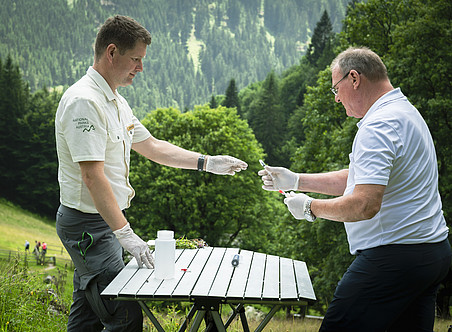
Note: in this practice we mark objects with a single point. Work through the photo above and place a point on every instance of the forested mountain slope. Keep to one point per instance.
(198, 45)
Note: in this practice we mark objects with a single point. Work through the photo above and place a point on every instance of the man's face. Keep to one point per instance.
(127, 65)
(345, 92)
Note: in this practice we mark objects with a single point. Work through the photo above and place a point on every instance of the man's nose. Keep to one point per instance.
(140, 66)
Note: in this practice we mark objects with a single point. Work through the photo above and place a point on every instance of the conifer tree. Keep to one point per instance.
(232, 96)
(267, 119)
(14, 96)
(213, 102)
(320, 51)
(38, 165)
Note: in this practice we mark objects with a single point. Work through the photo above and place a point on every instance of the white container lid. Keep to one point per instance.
(165, 235)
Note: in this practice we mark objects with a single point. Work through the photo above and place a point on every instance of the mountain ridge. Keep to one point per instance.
(198, 45)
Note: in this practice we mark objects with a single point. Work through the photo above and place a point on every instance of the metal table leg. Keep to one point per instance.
(151, 316)
(211, 308)
(218, 322)
(198, 319)
(235, 310)
(241, 311)
(190, 315)
(267, 318)
(243, 319)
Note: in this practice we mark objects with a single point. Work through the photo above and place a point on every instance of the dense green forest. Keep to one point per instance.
(197, 47)
(288, 117)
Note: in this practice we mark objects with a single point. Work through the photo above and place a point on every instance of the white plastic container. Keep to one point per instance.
(165, 255)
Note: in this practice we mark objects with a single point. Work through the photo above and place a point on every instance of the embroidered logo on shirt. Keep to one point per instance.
(89, 128)
(83, 124)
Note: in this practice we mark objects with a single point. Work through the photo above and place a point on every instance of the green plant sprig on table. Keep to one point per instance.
(183, 243)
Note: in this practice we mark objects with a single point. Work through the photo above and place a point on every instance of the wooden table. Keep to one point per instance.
(207, 278)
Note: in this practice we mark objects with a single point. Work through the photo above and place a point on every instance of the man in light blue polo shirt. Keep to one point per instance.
(95, 132)
(388, 200)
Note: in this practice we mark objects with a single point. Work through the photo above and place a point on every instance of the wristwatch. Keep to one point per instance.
(309, 216)
(201, 159)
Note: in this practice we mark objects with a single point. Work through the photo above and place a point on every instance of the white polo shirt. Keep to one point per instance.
(94, 124)
(393, 147)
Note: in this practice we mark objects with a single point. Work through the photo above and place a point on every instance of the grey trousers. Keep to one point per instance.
(97, 256)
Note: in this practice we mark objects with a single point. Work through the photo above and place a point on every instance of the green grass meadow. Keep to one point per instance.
(28, 302)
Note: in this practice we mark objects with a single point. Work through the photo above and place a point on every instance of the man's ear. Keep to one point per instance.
(356, 77)
(110, 51)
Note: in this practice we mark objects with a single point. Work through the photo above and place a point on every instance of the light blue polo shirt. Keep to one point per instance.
(393, 147)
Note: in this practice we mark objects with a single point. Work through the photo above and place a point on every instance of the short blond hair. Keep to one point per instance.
(364, 61)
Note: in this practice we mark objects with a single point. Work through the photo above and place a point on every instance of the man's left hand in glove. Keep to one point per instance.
(224, 165)
(299, 205)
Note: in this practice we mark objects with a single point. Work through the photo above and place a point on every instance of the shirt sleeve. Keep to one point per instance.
(376, 149)
(84, 127)
(141, 132)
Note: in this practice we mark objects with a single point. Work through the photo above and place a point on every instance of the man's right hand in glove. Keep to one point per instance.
(135, 245)
(278, 178)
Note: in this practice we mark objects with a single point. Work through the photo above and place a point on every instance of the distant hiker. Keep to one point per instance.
(95, 132)
(389, 202)
(42, 257)
(36, 249)
(27, 246)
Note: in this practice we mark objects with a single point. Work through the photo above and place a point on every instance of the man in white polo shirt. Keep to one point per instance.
(95, 131)
(388, 201)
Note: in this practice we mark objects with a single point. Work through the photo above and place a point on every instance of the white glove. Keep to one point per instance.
(276, 178)
(296, 204)
(135, 245)
(224, 165)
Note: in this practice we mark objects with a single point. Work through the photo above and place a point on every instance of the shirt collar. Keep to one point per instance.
(101, 83)
(383, 100)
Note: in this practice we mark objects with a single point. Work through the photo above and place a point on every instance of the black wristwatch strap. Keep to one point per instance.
(201, 162)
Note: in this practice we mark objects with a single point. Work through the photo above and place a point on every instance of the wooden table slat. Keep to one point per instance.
(256, 276)
(288, 284)
(136, 282)
(240, 275)
(184, 258)
(209, 273)
(220, 285)
(151, 284)
(305, 289)
(271, 281)
(189, 278)
(121, 279)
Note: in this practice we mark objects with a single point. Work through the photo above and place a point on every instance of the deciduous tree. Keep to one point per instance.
(223, 210)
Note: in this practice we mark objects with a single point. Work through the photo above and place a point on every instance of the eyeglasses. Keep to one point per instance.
(333, 89)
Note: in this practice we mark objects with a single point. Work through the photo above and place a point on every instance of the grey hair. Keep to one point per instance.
(364, 61)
